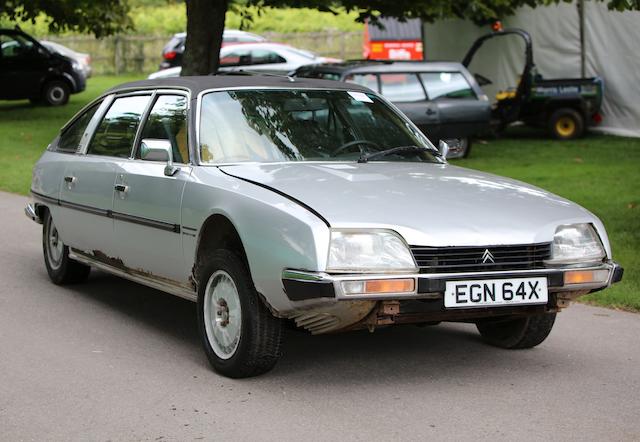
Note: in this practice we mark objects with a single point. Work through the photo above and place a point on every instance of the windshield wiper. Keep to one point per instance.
(364, 158)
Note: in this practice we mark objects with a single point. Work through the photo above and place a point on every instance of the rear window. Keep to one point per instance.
(446, 85)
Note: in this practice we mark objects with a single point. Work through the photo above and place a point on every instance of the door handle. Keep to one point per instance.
(430, 111)
(70, 179)
(121, 188)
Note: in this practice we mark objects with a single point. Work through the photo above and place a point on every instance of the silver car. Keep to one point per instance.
(271, 201)
(266, 58)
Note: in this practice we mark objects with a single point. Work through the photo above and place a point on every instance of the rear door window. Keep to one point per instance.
(401, 88)
(116, 132)
(446, 85)
(262, 56)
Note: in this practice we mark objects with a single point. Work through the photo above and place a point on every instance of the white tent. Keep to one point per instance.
(609, 48)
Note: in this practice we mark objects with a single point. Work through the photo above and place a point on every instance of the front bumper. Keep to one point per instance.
(31, 213)
(302, 286)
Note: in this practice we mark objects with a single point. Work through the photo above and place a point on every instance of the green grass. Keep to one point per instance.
(27, 130)
(599, 172)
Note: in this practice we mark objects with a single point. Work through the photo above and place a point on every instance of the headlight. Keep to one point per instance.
(379, 251)
(577, 244)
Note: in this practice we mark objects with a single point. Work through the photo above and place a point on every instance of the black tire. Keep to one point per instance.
(462, 151)
(566, 124)
(261, 334)
(56, 93)
(63, 270)
(526, 332)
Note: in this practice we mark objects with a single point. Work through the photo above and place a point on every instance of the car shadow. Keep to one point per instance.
(388, 354)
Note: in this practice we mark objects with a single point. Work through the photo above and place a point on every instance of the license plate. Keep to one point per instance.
(495, 292)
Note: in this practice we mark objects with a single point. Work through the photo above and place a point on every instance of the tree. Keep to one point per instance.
(101, 17)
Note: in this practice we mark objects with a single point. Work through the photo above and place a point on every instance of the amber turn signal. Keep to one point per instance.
(379, 286)
(585, 276)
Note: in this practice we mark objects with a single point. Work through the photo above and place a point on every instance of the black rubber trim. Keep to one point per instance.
(618, 272)
(146, 222)
(297, 290)
(111, 214)
(279, 192)
(437, 285)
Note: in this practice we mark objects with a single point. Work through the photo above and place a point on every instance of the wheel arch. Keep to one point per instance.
(218, 232)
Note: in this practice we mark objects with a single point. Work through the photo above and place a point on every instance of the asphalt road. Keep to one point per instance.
(112, 360)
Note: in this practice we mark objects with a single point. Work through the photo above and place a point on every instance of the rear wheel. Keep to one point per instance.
(56, 93)
(526, 332)
(461, 150)
(566, 124)
(61, 268)
(240, 336)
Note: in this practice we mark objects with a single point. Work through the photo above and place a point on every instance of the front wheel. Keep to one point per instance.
(241, 338)
(526, 332)
(61, 269)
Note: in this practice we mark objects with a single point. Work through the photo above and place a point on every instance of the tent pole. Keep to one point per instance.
(583, 67)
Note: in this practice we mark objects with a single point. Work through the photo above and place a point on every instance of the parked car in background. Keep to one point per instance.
(82, 58)
(442, 98)
(30, 70)
(173, 51)
(266, 199)
(271, 58)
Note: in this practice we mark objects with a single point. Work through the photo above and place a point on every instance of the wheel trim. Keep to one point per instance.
(565, 126)
(56, 94)
(54, 245)
(222, 314)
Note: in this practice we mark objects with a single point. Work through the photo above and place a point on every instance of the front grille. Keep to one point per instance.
(483, 258)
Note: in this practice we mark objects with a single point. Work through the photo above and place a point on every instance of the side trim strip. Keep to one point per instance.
(110, 214)
(289, 197)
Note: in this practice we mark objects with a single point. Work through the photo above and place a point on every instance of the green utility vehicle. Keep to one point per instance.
(565, 106)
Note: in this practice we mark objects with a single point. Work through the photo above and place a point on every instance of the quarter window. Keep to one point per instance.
(366, 80)
(71, 137)
(168, 121)
(402, 88)
(446, 84)
(117, 130)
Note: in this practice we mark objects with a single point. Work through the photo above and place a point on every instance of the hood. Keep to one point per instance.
(428, 204)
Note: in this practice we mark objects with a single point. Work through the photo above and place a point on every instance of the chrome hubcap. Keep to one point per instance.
(55, 246)
(222, 314)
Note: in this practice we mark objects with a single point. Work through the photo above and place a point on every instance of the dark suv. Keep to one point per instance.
(29, 70)
(441, 98)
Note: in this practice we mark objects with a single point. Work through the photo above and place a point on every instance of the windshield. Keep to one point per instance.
(304, 125)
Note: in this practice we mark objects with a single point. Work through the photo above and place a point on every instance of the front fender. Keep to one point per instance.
(276, 233)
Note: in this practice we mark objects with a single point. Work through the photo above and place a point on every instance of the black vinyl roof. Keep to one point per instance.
(200, 83)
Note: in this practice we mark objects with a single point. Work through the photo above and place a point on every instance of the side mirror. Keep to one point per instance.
(446, 146)
(153, 149)
(443, 147)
